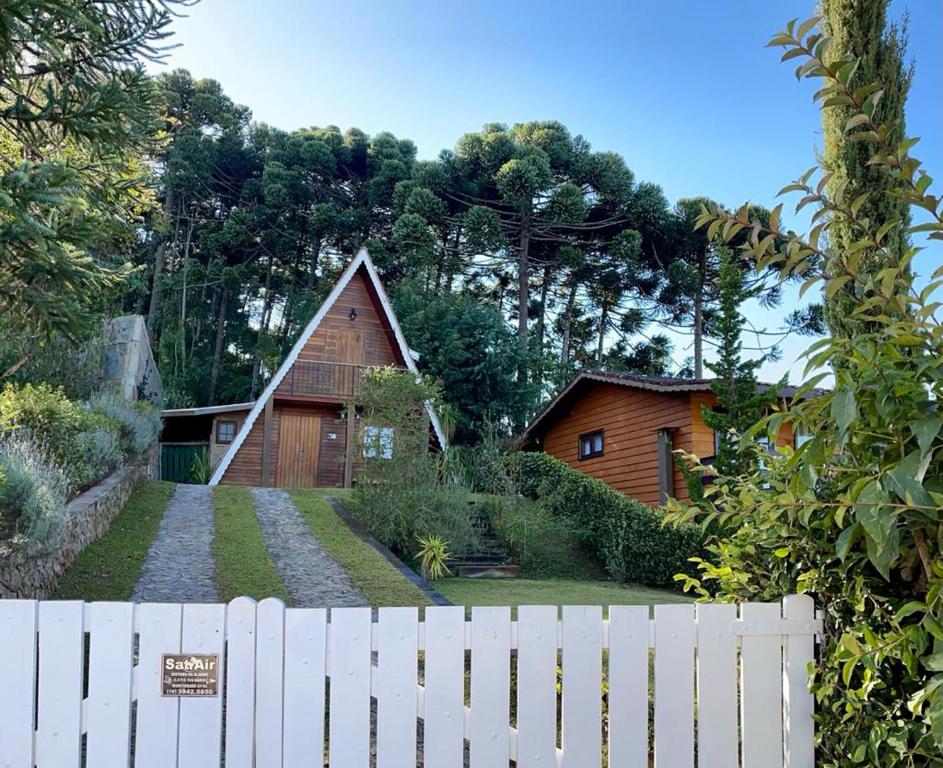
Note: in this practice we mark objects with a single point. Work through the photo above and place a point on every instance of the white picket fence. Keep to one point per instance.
(729, 686)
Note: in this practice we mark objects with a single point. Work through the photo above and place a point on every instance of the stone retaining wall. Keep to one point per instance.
(89, 515)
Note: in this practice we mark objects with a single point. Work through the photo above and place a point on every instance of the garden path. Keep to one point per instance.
(179, 568)
(313, 579)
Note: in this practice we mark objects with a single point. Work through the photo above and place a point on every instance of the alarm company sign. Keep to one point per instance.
(188, 674)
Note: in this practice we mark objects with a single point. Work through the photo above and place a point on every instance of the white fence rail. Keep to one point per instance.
(82, 685)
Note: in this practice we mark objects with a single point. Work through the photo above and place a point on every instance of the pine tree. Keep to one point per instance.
(740, 401)
(858, 30)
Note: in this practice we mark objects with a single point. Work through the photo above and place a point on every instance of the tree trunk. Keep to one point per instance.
(699, 317)
(567, 324)
(218, 347)
(183, 296)
(159, 256)
(263, 329)
(603, 322)
(523, 284)
(313, 263)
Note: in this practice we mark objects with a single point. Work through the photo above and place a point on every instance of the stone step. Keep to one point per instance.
(468, 570)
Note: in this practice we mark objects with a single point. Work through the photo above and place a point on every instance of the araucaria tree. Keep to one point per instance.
(76, 115)
(740, 401)
(854, 516)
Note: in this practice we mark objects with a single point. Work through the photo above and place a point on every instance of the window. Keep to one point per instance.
(378, 442)
(591, 445)
(225, 431)
(802, 435)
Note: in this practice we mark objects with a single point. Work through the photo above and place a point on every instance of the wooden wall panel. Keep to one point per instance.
(246, 466)
(378, 346)
(631, 419)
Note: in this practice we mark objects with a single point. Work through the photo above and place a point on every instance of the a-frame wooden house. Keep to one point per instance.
(300, 432)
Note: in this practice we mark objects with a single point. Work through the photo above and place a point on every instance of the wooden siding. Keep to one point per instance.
(631, 420)
(704, 435)
(378, 347)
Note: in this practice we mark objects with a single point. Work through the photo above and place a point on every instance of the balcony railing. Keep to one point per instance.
(308, 378)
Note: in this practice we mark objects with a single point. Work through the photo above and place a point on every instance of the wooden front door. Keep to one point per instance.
(299, 442)
(349, 355)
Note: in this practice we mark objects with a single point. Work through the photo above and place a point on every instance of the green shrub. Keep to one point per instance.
(138, 422)
(398, 515)
(33, 495)
(854, 516)
(541, 543)
(101, 453)
(51, 419)
(402, 492)
(626, 536)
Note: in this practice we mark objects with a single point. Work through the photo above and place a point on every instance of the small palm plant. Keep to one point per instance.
(432, 556)
(200, 468)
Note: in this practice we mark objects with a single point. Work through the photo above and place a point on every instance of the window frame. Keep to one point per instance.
(227, 422)
(593, 453)
(378, 445)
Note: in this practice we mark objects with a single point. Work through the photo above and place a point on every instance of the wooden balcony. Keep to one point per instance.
(323, 379)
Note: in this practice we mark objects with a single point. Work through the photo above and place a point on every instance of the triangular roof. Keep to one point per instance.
(362, 259)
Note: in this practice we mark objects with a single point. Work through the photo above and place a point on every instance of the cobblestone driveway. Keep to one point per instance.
(179, 567)
(313, 579)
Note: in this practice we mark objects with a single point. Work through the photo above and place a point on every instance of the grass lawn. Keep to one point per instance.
(243, 564)
(516, 592)
(368, 569)
(109, 568)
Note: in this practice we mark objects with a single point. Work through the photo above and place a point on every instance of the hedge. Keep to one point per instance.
(625, 535)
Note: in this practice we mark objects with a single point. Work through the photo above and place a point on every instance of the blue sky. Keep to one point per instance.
(684, 90)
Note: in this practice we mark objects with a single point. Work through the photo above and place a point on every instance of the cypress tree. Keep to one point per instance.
(740, 402)
(859, 30)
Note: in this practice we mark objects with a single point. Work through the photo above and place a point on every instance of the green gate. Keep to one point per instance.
(177, 459)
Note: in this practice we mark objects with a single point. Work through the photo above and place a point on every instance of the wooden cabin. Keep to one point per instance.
(304, 429)
(621, 428)
(188, 432)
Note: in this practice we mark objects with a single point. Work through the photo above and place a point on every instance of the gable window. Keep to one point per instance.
(225, 431)
(377, 442)
(592, 444)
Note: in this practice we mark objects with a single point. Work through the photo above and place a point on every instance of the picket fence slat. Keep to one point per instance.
(110, 665)
(489, 739)
(203, 632)
(18, 625)
(158, 717)
(798, 702)
(269, 679)
(444, 687)
(397, 675)
(240, 683)
(537, 688)
(582, 686)
(628, 686)
(761, 691)
(281, 670)
(717, 739)
(61, 663)
(305, 669)
(674, 686)
(349, 726)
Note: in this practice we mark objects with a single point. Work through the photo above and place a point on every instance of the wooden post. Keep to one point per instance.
(349, 445)
(267, 443)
